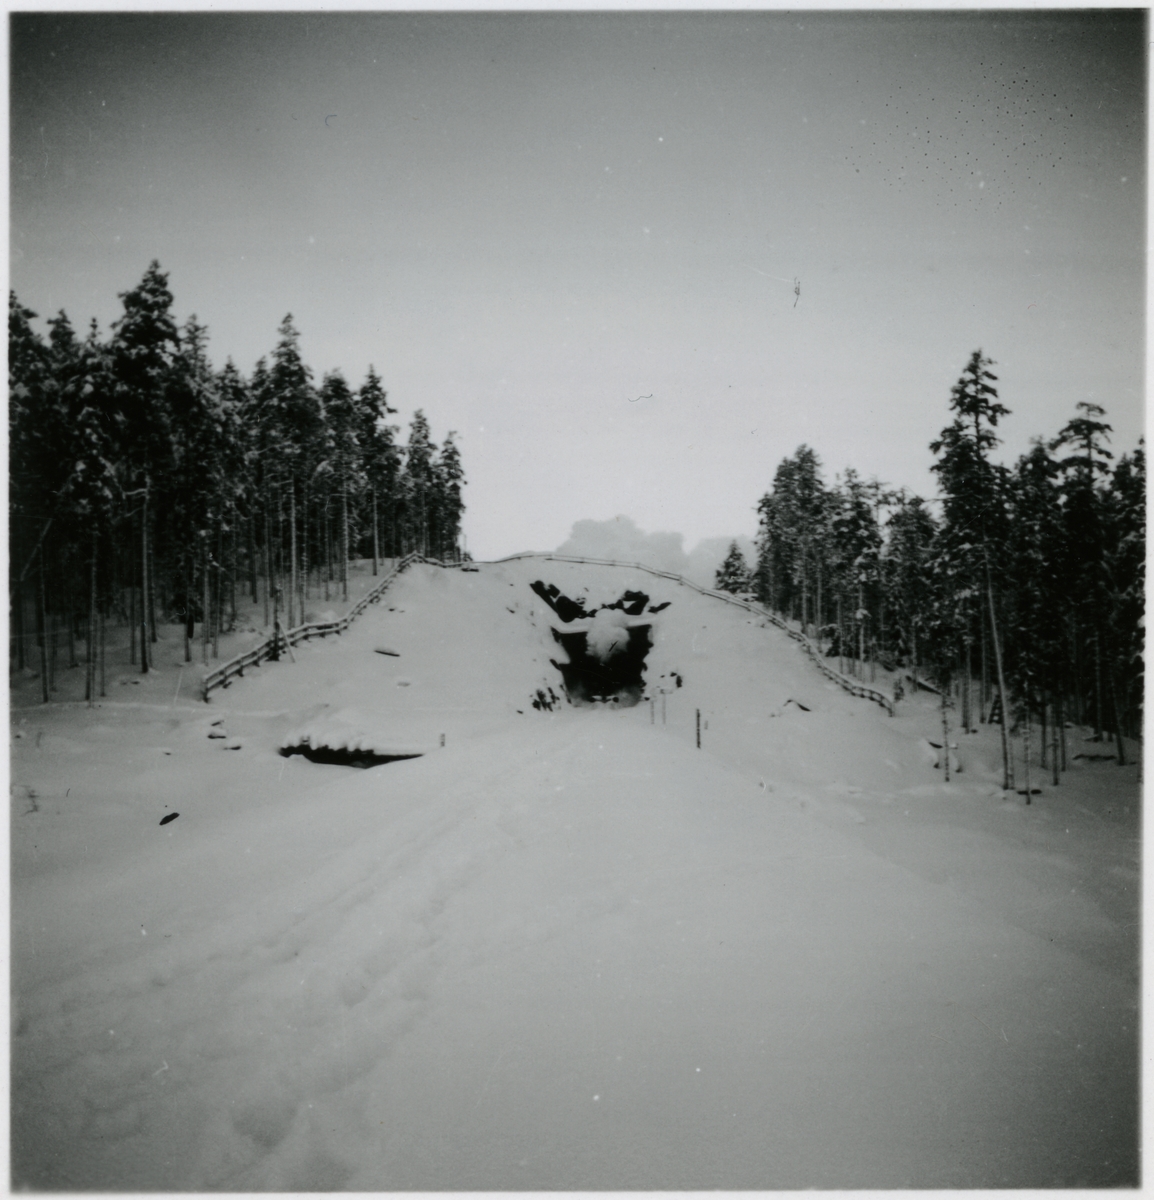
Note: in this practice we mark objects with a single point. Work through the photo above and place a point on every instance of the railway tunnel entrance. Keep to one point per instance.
(606, 646)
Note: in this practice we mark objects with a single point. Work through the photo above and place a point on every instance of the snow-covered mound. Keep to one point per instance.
(351, 732)
(568, 950)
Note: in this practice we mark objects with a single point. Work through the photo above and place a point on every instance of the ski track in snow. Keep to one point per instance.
(568, 950)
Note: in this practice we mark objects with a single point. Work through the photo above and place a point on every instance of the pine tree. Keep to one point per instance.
(1083, 477)
(1036, 600)
(449, 506)
(418, 483)
(1124, 562)
(854, 544)
(342, 466)
(293, 446)
(792, 520)
(380, 463)
(733, 575)
(907, 579)
(143, 482)
(974, 522)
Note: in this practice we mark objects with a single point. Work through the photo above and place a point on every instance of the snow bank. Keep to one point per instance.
(569, 950)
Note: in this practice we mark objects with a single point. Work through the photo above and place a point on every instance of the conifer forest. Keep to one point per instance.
(148, 487)
(1020, 589)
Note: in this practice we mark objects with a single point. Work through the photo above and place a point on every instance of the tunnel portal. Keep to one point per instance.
(607, 656)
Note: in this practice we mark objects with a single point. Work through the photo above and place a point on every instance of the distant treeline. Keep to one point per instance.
(147, 487)
(1025, 587)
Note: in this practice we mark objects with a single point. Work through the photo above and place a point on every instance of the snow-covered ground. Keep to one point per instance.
(568, 950)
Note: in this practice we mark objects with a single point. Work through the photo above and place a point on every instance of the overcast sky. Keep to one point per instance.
(575, 238)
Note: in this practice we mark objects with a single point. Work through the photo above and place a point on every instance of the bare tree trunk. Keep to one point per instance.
(861, 630)
(840, 638)
(275, 655)
(1060, 727)
(967, 711)
(278, 569)
(267, 566)
(206, 602)
(376, 547)
(18, 623)
(306, 557)
(153, 627)
(251, 524)
(42, 630)
(1097, 690)
(218, 585)
(945, 730)
(52, 646)
(328, 567)
(1007, 760)
(144, 654)
(1116, 714)
(132, 610)
(914, 649)
(103, 640)
(985, 693)
(189, 611)
(90, 667)
(292, 551)
(344, 541)
(1054, 742)
(1026, 748)
(70, 602)
(1079, 714)
(232, 614)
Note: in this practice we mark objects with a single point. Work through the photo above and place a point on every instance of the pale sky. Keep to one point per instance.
(574, 238)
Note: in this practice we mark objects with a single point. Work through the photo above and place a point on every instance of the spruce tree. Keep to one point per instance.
(908, 583)
(380, 464)
(973, 529)
(733, 575)
(449, 506)
(418, 482)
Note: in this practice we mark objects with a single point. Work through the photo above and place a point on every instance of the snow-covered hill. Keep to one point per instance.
(566, 949)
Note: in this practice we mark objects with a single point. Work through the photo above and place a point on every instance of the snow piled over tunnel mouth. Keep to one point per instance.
(606, 646)
(608, 635)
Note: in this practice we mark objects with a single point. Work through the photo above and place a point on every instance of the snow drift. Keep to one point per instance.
(566, 950)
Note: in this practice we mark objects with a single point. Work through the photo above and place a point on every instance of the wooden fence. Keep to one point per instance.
(282, 639)
(272, 647)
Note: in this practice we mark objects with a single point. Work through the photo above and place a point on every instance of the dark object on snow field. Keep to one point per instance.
(342, 757)
(568, 610)
(170, 817)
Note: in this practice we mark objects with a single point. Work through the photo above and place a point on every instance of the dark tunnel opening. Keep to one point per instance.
(612, 670)
(618, 678)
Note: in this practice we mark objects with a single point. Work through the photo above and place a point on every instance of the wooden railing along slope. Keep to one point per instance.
(272, 646)
(282, 639)
(850, 685)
